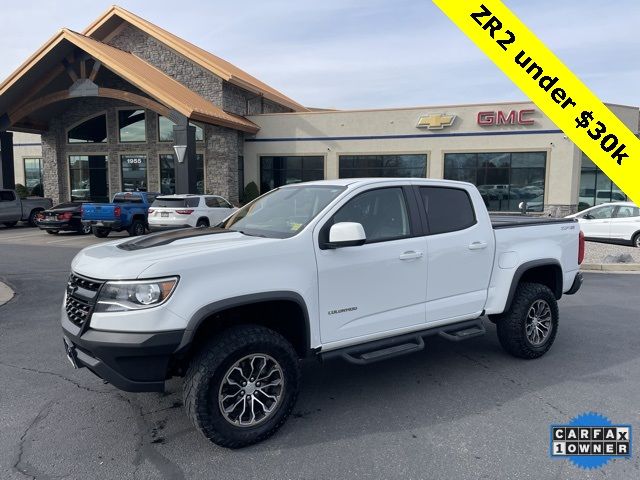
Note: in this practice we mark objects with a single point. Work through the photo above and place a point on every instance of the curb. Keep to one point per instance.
(611, 267)
(6, 293)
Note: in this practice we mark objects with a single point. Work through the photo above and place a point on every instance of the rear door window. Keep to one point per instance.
(213, 202)
(7, 196)
(626, 212)
(448, 209)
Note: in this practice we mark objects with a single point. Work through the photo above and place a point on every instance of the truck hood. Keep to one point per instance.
(129, 258)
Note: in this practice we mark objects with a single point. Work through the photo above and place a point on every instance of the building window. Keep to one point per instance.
(595, 186)
(358, 166)
(88, 177)
(504, 179)
(134, 173)
(33, 176)
(168, 174)
(93, 130)
(132, 126)
(165, 130)
(278, 171)
(240, 177)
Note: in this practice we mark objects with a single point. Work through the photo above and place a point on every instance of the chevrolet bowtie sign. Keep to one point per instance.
(436, 121)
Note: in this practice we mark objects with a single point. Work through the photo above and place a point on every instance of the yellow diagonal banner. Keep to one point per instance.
(552, 87)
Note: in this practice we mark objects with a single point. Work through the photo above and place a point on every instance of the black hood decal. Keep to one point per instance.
(157, 240)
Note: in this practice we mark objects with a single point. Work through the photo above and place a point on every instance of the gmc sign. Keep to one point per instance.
(514, 117)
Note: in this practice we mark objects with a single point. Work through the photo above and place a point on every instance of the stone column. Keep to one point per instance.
(186, 179)
(7, 174)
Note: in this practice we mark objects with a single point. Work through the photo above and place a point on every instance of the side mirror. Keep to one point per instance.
(346, 234)
(523, 207)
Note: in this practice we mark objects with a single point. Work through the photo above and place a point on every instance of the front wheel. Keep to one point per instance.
(101, 232)
(84, 229)
(528, 329)
(241, 388)
(636, 240)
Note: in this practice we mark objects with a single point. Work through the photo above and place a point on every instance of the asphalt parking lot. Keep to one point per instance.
(456, 410)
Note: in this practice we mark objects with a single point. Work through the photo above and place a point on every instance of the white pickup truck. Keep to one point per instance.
(362, 269)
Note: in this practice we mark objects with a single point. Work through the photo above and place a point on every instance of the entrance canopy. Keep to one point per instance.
(72, 65)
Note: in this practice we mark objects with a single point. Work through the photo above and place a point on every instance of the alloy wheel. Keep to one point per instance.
(251, 390)
(538, 325)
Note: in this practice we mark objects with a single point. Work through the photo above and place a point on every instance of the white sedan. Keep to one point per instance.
(617, 222)
(181, 211)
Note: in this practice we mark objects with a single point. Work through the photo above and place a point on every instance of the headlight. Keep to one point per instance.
(135, 295)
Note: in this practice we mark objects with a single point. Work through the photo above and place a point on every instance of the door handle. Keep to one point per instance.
(477, 245)
(411, 255)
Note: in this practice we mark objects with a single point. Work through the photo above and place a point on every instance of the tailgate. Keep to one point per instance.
(98, 211)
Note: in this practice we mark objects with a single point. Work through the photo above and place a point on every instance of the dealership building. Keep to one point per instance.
(126, 105)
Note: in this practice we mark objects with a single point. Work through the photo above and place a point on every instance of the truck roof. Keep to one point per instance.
(356, 182)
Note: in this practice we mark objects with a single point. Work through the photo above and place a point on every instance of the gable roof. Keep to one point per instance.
(105, 25)
(139, 73)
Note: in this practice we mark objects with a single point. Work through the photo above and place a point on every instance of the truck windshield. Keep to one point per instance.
(282, 213)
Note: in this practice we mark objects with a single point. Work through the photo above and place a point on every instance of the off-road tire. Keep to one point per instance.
(208, 368)
(101, 232)
(137, 228)
(511, 325)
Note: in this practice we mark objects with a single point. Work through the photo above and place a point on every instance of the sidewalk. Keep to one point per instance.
(6, 294)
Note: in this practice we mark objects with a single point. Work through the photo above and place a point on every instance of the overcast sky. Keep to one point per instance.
(362, 53)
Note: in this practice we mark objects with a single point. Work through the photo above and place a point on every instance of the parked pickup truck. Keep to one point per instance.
(13, 209)
(128, 211)
(362, 270)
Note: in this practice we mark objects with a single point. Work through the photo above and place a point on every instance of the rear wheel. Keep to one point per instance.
(101, 232)
(529, 327)
(202, 223)
(32, 217)
(52, 232)
(241, 388)
(137, 228)
(10, 224)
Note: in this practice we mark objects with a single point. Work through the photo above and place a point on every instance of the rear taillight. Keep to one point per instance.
(117, 211)
(184, 212)
(151, 210)
(65, 216)
(580, 247)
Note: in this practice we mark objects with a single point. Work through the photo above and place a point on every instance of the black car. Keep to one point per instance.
(63, 217)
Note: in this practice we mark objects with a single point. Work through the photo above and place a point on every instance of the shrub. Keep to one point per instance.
(37, 190)
(250, 193)
(22, 191)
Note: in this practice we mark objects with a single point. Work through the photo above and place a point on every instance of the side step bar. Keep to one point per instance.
(386, 348)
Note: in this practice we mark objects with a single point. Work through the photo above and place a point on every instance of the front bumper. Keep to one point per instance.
(133, 362)
(577, 283)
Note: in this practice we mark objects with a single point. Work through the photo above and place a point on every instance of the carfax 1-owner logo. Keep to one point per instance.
(590, 440)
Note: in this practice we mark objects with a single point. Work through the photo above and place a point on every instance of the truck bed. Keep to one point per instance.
(511, 221)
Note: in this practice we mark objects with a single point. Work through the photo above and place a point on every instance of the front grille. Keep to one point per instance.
(82, 294)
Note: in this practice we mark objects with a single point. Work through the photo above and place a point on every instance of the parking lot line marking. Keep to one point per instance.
(34, 234)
